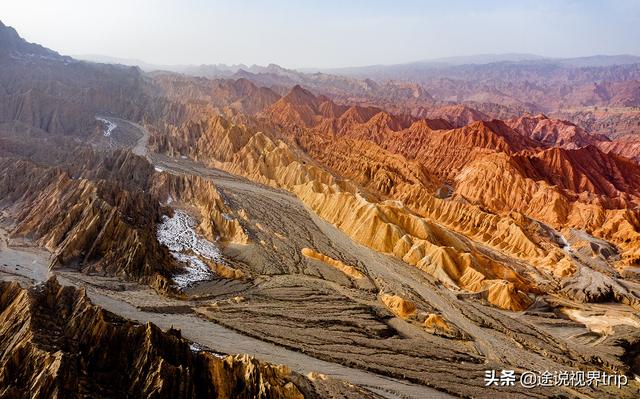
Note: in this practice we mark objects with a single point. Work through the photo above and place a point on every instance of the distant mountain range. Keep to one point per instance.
(404, 232)
(522, 82)
(478, 59)
(484, 59)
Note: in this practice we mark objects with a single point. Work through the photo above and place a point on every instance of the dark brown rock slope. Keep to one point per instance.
(54, 343)
(94, 224)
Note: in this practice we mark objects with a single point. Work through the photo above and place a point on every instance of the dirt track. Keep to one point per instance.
(304, 305)
(295, 310)
(109, 294)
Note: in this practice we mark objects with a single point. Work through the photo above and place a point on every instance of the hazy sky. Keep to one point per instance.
(324, 33)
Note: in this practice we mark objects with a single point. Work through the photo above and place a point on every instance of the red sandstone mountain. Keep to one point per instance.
(586, 169)
(444, 152)
(299, 107)
(554, 133)
(240, 95)
(457, 115)
(611, 122)
(416, 238)
(302, 108)
(626, 146)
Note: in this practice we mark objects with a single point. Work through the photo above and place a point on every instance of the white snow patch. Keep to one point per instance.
(178, 234)
(110, 126)
(195, 347)
(195, 271)
(226, 217)
(565, 244)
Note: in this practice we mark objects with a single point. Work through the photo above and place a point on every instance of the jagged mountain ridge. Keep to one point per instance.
(279, 159)
(300, 107)
(480, 239)
(56, 343)
(12, 45)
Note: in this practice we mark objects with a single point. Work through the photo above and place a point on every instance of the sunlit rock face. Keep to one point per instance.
(57, 344)
(359, 222)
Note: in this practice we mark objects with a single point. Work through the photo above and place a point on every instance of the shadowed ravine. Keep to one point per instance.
(272, 233)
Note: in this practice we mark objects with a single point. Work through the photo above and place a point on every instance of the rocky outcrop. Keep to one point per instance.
(102, 209)
(554, 133)
(578, 188)
(299, 107)
(583, 189)
(398, 305)
(55, 343)
(346, 269)
(626, 146)
(241, 95)
(216, 220)
(95, 225)
(11, 44)
(458, 115)
(386, 226)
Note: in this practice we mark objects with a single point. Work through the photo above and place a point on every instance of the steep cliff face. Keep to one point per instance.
(586, 170)
(12, 44)
(573, 177)
(99, 212)
(444, 153)
(216, 221)
(55, 343)
(626, 146)
(208, 136)
(298, 107)
(582, 189)
(96, 225)
(62, 95)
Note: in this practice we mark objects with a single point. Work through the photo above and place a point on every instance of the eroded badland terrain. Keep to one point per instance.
(355, 239)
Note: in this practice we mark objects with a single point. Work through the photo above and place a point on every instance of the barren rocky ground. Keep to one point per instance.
(356, 248)
(303, 312)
